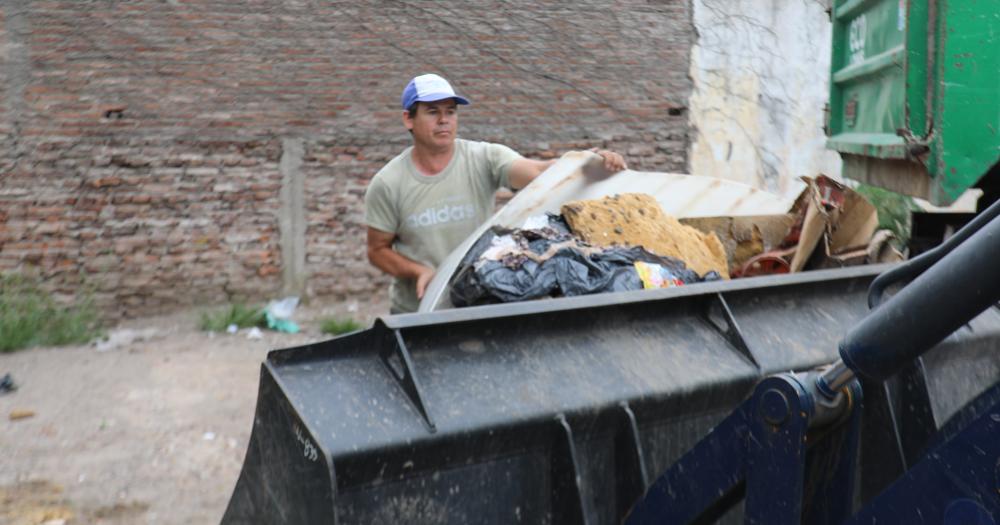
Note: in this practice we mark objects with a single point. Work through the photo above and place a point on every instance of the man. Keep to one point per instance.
(428, 199)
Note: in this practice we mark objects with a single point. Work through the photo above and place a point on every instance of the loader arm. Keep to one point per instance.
(774, 438)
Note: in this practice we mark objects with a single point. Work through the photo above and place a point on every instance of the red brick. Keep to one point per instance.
(196, 117)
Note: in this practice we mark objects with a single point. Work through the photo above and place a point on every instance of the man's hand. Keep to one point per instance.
(613, 162)
(423, 279)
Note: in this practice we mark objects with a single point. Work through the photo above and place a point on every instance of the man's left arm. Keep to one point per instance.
(523, 171)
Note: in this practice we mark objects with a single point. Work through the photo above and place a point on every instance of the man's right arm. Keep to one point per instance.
(522, 171)
(381, 254)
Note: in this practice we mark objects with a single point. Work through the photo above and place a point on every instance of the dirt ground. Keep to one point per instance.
(148, 427)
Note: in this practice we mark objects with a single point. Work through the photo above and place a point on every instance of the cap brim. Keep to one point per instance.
(434, 97)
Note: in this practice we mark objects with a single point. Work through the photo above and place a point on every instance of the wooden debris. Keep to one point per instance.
(21, 414)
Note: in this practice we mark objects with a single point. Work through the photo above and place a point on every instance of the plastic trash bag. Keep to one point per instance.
(517, 265)
(7, 384)
(279, 313)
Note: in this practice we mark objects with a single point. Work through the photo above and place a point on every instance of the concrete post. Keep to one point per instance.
(292, 218)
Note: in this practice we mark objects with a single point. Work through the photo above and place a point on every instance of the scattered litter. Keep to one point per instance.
(7, 384)
(21, 414)
(746, 237)
(536, 222)
(208, 436)
(279, 314)
(281, 325)
(835, 217)
(654, 275)
(232, 329)
(828, 226)
(499, 246)
(880, 250)
(284, 308)
(767, 263)
(125, 337)
(255, 333)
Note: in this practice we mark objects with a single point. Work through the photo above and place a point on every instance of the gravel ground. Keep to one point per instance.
(149, 429)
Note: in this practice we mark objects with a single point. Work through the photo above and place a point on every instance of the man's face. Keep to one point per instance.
(434, 124)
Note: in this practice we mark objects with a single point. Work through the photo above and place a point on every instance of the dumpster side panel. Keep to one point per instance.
(286, 476)
(554, 411)
(964, 365)
(968, 95)
(867, 79)
(562, 411)
(914, 97)
(453, 482)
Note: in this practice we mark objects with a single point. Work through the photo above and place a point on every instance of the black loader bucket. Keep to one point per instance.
(562, 411)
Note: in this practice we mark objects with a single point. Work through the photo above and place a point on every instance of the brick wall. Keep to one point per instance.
(141, 141)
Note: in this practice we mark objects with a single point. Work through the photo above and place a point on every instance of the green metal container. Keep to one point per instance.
(915, 94)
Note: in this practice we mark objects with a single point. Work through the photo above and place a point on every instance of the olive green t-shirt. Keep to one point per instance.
(431, 215)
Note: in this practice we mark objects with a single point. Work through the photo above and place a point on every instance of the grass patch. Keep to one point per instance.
(337, 326)
(239, 314)
(29, 316)
(894, 211)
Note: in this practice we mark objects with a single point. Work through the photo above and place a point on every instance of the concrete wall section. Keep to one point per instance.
(760, 70)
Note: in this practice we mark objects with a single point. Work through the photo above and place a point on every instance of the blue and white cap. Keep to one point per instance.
(429, 88)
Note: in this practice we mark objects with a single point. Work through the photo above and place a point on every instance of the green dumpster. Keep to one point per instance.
(915, 95)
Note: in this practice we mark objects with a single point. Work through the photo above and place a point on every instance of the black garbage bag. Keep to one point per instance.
(7, 384)
(517, 265)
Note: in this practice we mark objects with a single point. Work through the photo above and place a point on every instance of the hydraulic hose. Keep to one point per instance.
(947, 295)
